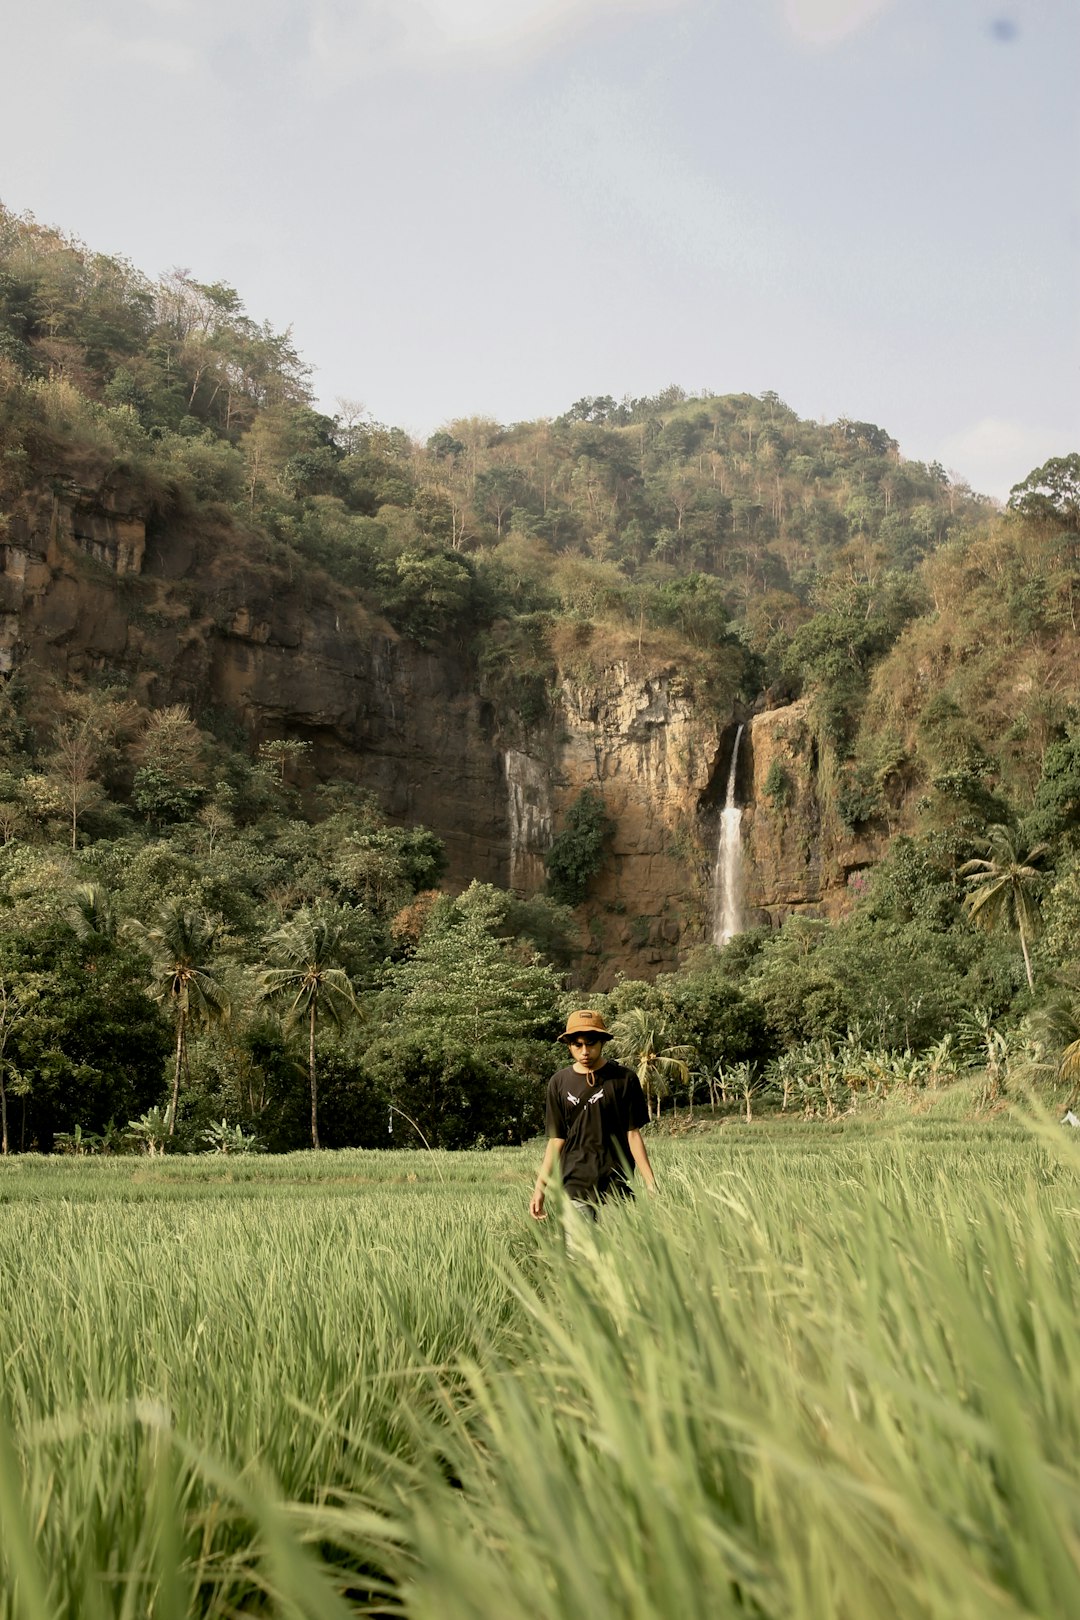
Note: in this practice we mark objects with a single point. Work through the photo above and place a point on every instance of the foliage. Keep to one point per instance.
(181, 944)
(777, 786)
(1003, 886)
(1055, 814)
(1051, 493)
(904, 982)
(461, 1020)
(83, 1043)
(225, 1138)
(467, 980)
(308, 977)
(643, 1042)
(805, 1396)
(577, 850)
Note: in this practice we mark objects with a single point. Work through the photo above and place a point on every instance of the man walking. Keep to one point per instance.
(595, 1111)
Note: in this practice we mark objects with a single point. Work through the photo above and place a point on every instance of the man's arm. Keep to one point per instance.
(551, 1159)
(640, 1155)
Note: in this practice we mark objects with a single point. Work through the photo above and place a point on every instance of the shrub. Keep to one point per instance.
(778, 787)
(576, 853)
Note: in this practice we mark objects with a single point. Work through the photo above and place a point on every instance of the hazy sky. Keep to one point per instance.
(492, 207)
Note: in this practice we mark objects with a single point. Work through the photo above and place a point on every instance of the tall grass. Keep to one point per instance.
(825, 1375)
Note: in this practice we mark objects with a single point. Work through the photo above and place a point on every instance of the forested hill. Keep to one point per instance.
(770, 554)
(695, 518)
(764, 554)
(274, 675)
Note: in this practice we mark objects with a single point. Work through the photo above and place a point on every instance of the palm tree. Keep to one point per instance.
(1058, 1024)
(307, 975)
(1002, 885)
(642, 1042)
(92, 914)
(180, 945)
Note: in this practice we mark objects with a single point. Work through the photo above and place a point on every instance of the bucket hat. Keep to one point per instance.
(585, 1023)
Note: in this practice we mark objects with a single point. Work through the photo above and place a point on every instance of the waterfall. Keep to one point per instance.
(727, 875)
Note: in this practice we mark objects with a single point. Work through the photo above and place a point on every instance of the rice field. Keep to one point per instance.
(830, 1372)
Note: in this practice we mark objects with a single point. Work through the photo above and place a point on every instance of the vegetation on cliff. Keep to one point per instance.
(721, 536)
(722, 531)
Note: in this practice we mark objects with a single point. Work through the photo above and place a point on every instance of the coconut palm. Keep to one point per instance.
(307, 975)
(1058, 1025)
(1002, 886)
(92, 914)
(642, 1042)
(181, 945)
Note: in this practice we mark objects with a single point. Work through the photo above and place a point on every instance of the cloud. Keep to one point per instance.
(826, 22)
(995, 453)
(638, 189)
(155, 37)
(348, 39)
(327, 44)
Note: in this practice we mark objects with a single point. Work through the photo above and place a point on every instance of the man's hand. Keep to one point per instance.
(547, 1170)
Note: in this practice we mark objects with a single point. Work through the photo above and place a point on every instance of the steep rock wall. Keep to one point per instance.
(797, 855)
(204, 615)
(196, 615)
(644, 745)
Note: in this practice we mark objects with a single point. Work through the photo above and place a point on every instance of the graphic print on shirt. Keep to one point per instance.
(595, 1158)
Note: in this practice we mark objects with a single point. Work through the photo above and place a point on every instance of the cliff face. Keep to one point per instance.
(200, 617)
(797, 858)
(640, 743)
(203, 616)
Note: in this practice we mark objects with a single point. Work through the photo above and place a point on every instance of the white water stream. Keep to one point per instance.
(727, 873)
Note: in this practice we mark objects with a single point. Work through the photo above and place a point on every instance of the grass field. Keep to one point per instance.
(831, 1371)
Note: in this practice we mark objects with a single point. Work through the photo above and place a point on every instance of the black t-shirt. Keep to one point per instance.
(592, 1114)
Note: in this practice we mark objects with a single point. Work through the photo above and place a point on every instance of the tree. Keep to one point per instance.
(1002, 886)
(1058, 1024)
(167, 784)
(1056, 810)
(280, 752)
(463, 1023)
(643, 1043)
(307, 974)
(82, 1041)
(468, 979)
(8, 1014)
(82, 739)
(577, 850)
(181, 944)
(714, 1017)
(92, 915)
(1051, 492)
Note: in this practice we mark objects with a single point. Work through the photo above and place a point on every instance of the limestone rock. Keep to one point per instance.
(205, 616)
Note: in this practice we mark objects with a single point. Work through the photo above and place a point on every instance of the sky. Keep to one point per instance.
(494, 207)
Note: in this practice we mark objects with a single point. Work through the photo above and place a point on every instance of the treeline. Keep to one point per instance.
(722, 530)
(753, 550)
(186, 939)
(196, 954)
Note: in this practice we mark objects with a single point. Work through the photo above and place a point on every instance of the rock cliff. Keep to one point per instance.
(797, 855)
(643, 744)
(209, 617)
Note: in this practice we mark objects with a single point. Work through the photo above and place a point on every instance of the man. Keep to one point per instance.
(595, 1111)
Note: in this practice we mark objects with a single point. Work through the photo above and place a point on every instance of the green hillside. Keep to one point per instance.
(763, 556)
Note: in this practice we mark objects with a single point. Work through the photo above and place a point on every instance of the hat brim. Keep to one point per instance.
(569, 1035)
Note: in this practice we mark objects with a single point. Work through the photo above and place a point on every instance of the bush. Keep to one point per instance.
(778, 787)
(577, 852)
